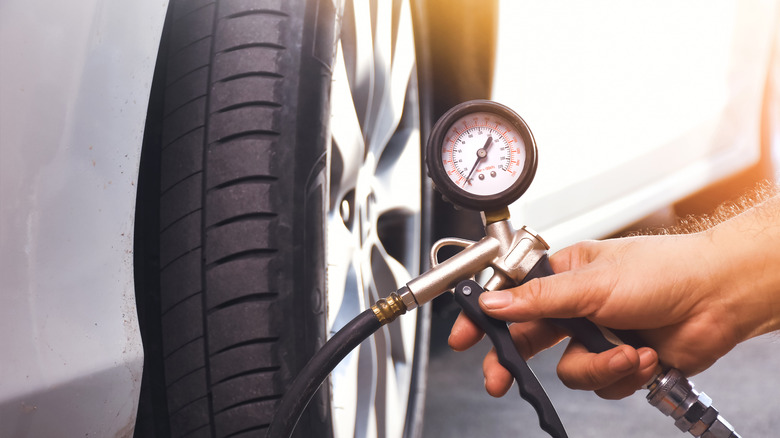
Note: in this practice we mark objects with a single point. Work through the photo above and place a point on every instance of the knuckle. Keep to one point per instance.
(534, 290)
(582, 253)
(584, 376)
(567, 377)
(524, 343)
(594, 376)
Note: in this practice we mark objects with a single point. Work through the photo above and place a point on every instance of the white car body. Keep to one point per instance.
(633, 105)
(621, 133)
(74, 91)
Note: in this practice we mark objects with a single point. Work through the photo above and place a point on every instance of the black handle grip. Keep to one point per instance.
(594, 337)
(467, 296)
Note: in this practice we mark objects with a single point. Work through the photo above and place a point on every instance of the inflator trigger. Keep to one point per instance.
(467, 294)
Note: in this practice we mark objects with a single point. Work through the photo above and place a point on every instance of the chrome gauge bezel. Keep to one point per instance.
(457, 195)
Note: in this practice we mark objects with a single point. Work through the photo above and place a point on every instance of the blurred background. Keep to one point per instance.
(643, 113)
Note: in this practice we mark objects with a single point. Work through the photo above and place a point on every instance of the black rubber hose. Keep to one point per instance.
(314, 373)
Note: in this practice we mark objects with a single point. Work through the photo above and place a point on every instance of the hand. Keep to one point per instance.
(692, 298)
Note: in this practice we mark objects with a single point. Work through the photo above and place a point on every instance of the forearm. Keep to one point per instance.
(745, 258)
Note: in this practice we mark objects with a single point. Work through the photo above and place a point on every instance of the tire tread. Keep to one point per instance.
(226, 212)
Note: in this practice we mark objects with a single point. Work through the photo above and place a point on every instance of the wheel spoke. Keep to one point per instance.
(365, 420)
(345, 294)
(395, 69)
(346, 375)
(345, 131)
(397, 179)
(357, 38)
(382, 45)
(387, 274)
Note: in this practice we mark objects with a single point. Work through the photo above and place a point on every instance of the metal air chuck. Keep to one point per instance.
(691, 410)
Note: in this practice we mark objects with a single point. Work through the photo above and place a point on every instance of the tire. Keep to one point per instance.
(257, 235)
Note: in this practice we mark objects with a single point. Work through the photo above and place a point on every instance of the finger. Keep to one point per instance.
(497, 379)
(464, 333)
(566, 295)
(581, 369)
(648, 367)
(578, 288)
(533, 337)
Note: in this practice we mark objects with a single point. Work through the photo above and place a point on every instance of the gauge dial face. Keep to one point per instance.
(483, 154)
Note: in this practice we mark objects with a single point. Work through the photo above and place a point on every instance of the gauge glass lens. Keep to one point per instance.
(483, 154)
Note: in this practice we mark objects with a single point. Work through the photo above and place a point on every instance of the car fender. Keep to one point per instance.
(75, 88)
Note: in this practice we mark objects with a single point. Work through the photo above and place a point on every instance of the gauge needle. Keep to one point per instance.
(481, 154)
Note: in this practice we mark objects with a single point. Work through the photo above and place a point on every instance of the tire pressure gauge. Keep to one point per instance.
(481, 155)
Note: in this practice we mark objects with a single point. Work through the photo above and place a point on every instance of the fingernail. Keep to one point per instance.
(620, 363)
(497, 299)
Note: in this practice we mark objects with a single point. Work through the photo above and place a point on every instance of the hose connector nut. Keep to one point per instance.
(388, 309)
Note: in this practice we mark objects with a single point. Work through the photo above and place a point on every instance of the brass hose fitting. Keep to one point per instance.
(388, 309)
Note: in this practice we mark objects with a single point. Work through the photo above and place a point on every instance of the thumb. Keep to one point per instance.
(567, 295)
